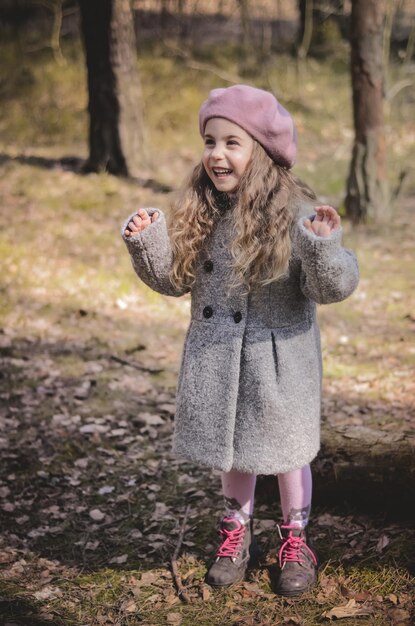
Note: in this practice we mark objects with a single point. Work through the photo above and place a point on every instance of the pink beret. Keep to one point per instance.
(260, 114)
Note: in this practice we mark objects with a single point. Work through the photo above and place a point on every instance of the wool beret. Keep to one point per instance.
(260, 114)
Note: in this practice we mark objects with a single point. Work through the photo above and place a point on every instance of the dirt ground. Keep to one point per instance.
(92, 504)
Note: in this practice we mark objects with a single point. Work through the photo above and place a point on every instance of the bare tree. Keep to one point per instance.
(314, 17)
(116, 130)
(367, 189)
(244, 10)
(306, 27)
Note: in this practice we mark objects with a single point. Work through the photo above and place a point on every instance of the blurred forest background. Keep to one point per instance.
(98, 116)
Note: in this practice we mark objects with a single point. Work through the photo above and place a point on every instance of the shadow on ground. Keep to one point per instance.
(77, 165)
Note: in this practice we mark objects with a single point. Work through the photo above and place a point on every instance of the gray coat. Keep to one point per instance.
(249, 388)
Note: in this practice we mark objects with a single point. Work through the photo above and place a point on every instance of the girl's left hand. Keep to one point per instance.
(326, 221)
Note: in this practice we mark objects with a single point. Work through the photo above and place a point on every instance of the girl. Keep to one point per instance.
(241, 240)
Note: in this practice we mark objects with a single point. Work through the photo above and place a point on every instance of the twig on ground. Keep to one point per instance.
(176, 576)
(141, 368)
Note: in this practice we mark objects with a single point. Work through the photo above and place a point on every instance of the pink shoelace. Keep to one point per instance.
(232, 539)
(293, 549)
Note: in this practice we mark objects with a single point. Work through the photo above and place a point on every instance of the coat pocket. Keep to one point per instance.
(274, 353)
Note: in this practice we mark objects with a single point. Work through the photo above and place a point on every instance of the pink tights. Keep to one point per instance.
(295, 494)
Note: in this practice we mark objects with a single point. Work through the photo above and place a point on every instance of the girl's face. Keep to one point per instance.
(227, 151)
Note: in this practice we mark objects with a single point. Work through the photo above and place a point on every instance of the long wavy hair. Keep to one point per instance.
(263, 214)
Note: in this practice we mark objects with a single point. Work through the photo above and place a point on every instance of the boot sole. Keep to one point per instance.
(293, 594)
(218, 586)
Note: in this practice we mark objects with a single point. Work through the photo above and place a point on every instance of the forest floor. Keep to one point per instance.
(92, 503)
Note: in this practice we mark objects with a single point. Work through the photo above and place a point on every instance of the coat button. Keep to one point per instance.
(237, 317)
(208, 265)
(207, 312)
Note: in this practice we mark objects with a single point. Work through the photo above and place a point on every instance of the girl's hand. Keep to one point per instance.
(140, 222)
(326, 221)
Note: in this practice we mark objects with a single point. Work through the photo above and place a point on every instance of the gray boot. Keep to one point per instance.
(233, 554)
(297, 562)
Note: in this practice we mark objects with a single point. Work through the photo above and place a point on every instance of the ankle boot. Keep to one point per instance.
(233, 554)
(297, 562)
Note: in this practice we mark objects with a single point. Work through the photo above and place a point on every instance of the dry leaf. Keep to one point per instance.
(119, 560)
(382, 543)
(48, 593)
(205, 593)
(149, 419)
(253, 588)
(92, 429)
(171, 599)
(351, 609)
(106, 489)
(96, 515)
(129, 606)
(174, 618)
(148, 578)
(399, 617)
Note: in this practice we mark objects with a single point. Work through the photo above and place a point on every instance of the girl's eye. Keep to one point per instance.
(232, 142)
(209, 142)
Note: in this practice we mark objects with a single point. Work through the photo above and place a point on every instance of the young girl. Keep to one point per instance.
(244, 240)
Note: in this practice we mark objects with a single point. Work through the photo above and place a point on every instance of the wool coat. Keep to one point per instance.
(249, 387)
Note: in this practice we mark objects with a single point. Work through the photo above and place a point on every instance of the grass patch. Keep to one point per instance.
(74, 437)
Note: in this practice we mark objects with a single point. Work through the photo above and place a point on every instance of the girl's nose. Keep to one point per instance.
(217, 151)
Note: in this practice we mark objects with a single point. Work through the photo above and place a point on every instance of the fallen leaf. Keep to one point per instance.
(96, 515)
(129, 606)
(94, 428)
(174, 618)
(399, 617)
(171, 599)
(205, 593)
(106, 489)
(149, 419)
(148, 578)
(351, 609)
(48, 593)
(253, 589)
(382, 543)
(119, 560)
(167, 408)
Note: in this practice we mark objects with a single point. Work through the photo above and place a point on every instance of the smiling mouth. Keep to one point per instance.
(221, 171)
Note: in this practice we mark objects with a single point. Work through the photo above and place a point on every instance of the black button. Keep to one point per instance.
(208, 265)
(237, 317)
(207, 312)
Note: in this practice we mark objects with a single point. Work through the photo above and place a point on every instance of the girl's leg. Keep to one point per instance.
(238, 492)
(295, 494)
(235, 550)
(297, 561)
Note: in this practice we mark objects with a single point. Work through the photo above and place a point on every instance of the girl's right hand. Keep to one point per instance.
(140, 222)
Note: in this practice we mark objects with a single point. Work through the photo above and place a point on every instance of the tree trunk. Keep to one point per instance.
(246, 24)
(116, 129)
(359, 466)
(367, 188)
(319, 26)
(306, 27)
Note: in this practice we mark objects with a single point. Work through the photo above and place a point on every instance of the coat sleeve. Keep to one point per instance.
(329, 272)
(151, 255)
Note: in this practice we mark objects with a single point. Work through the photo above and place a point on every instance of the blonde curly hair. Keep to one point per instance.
(262, 218)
